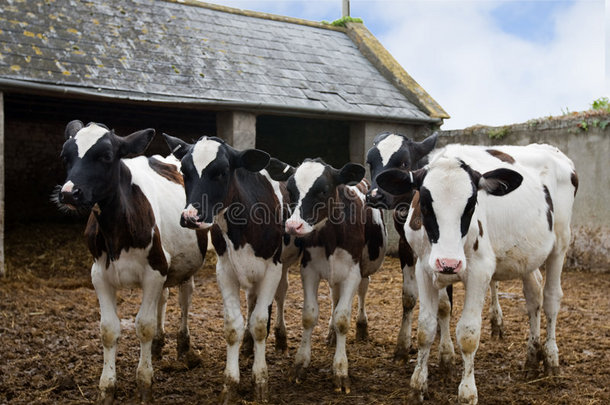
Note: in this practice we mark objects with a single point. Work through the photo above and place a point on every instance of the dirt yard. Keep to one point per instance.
(50, 351)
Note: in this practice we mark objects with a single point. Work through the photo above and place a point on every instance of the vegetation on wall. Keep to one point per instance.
(341, 22)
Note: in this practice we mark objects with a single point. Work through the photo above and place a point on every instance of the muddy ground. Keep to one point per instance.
(50, 351)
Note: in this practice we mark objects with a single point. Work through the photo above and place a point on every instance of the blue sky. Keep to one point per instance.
(485, 62)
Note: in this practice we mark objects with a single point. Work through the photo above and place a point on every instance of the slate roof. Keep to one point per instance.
(165, 51)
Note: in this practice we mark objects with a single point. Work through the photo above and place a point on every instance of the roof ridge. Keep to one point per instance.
(257, 14)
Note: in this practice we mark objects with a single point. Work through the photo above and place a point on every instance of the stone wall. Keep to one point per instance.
(585, 138)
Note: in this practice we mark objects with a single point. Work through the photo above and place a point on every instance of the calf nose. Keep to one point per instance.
(374, 197)
(72, 196)
(449, 266)
(293, 227)
(190, 218)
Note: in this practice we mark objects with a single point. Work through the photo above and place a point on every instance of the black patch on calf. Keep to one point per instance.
(475, 247)
(202, 240)
(218, 240)
(505, 157)
(405, 253)
(428, 215)
(480, 227)
(574, 180)
(373, 234)
(549, 203)
(156, 257)
(468, 211)
(416, 219)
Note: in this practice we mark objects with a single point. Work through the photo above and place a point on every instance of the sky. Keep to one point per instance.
(486, 62)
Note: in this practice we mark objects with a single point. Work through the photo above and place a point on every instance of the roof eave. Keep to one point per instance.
(89, 93)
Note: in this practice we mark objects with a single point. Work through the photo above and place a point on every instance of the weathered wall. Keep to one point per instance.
(585, 138)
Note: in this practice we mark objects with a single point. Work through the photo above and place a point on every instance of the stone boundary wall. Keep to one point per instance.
(585, 138)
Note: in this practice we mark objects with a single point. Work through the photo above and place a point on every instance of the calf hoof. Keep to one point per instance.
(191, 359)
(497, 331)
(247, 345)
(342, 383)
(106, 396)
(298, 373)
(157, 347)
(281, 343)
(145, 393)
(415, 397)
(362, 331)
(183, 344)
(445, 365)
(402, 354)
(331, 338)
(228, 395)
(550, 370)
(261, 392)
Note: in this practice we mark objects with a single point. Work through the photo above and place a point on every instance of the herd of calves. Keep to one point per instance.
(464, 213)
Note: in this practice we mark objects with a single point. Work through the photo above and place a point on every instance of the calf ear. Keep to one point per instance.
(278, 170)
(72, 128)
(136, 143)
(398, 182)
(424, 147)
(500, 181)
(253, 160)
(351, 174)
(177, 146)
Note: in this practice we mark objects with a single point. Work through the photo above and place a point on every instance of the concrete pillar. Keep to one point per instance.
(2, 267)
(237, 128)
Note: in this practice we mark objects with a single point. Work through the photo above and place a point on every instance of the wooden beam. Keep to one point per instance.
(2, 268)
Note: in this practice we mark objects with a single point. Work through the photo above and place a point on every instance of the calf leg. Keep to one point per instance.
(159, 339)
(110, 330)
(409, 299)
(445, 347)
(331, 336)
(532, 289)
(311, 281)
(426, 331)
(146, 325)
(185, 352)
(342, 317)
(552, 300)
(233, 327)
(258, 328)
(468, 332)
(495, 312)
(279, 329)
(247, 346)
(362, 332)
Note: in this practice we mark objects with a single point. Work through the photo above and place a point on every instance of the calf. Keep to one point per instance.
(343, 242)
(131, 236)
(228, 193)
(484, 219)
(396, 151)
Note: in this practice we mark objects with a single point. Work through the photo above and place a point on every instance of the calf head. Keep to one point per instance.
(394, 151)
(209, 167)
(92, 157)
(448, 191)
(313, 191)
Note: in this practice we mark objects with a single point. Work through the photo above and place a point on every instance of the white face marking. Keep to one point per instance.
(204, 153)
(306, 175)
(67, 188)
(388, 146)
(87, 137)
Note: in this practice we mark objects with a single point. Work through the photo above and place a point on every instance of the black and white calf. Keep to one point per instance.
(133, 236)
(343, 242)
(487, 216)
(396, 151)
(229, 193)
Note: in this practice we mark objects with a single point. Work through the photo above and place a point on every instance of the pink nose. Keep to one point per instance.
(448, 265)
(293, 227)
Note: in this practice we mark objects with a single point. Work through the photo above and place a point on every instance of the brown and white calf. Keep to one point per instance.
(487, 217)
(343, 242)
(396, 151)
(133, 236)
(229, 192)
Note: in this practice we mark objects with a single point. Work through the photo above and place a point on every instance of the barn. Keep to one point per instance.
(292, 87)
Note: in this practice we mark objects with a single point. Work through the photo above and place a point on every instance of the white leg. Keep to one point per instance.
(552, 300)
(233, 326)
(258, 328)
(532, 289)
(445, 347)
(426, 330)
(409, 299)
(362, 332)
(335, 294)
(495, 312)
(146, 325)
(468, 331)
(342, 318)
(159, 339)
(279, 329)
(110, 330)
(185, 353)
(311, 281)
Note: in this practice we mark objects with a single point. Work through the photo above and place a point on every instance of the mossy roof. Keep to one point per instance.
(194, 53)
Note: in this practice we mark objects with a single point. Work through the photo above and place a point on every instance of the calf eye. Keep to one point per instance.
(106, 158)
